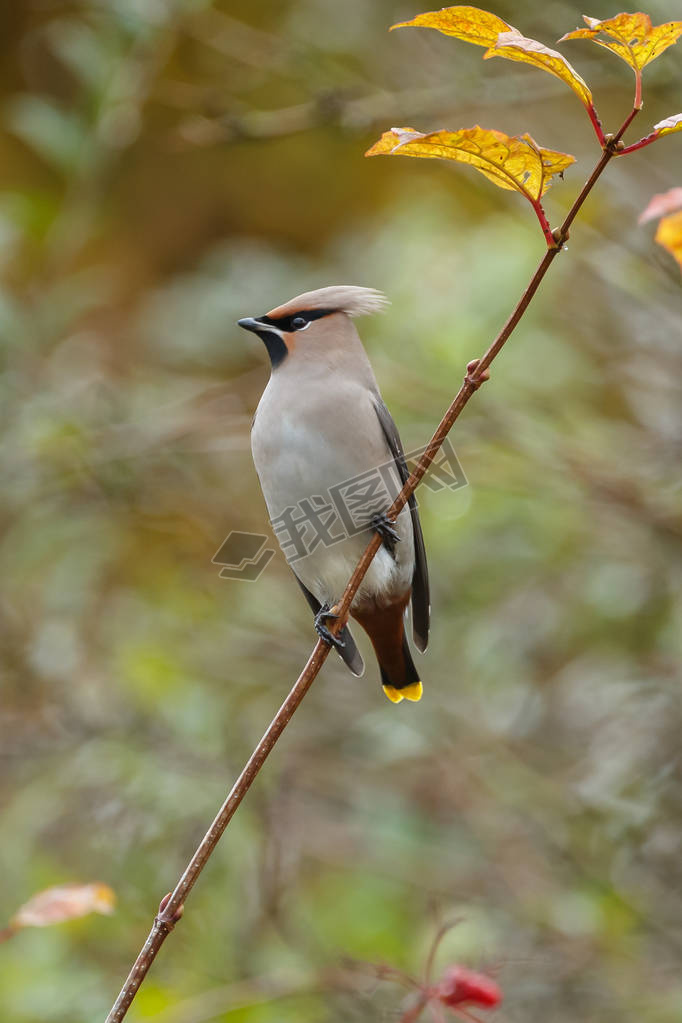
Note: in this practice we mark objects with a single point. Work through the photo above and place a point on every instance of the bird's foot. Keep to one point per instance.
(324, 615)
(474, 378)
(385, 527)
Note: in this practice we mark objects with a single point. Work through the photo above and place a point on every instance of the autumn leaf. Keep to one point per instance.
(64, 902)
(468, 23)
(659, 205)
(668, 206)
(669, 235)
(514, 46)
(631, 36)
(482, 28)
(516, 163)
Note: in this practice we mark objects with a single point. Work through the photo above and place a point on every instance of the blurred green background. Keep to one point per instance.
(165, 168)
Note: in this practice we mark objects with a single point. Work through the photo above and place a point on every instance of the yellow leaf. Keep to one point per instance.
(631, 36)
(529, 51)
(516, 163)
(468, 23)
(390, 139)
(659, 205)
(669, 125)
(669, 235)
(64, 902)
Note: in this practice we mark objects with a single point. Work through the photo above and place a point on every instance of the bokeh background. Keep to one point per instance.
(166, 167)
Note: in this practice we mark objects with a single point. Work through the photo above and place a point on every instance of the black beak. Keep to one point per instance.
(249, 323)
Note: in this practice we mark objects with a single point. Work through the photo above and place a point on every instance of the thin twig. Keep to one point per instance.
(169, 914)
(435, 945)
(413, 1014)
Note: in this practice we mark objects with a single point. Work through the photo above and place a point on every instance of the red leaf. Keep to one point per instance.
(659, 205)
(461, 986)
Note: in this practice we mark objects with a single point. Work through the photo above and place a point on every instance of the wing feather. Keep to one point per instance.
(350, 654)
(421, 605)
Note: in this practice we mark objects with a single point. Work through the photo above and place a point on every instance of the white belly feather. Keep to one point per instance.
(298, 454)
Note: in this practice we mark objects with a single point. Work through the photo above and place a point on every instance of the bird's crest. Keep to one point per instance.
(341, 298)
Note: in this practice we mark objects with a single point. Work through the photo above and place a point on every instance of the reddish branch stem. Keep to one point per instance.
(167, 917)
(638, 89)
(544, 223)
(646, 141)
(596, 123)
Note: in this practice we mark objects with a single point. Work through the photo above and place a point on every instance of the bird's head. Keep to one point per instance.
(316, 318)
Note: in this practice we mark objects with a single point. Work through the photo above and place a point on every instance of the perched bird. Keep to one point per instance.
(322, 436)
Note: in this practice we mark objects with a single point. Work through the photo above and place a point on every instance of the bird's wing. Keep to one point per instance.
(421, 606)
(349, 653)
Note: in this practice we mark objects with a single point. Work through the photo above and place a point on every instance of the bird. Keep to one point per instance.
(330, 463)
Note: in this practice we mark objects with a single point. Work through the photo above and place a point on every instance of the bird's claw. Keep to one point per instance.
(385, 527)
(323, 615)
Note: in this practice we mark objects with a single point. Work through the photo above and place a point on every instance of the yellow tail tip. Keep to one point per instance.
(412, 692)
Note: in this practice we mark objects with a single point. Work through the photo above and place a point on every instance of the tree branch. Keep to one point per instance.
(171, 907)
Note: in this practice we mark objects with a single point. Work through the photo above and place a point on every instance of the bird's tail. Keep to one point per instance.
(400, 680)
(386, 629)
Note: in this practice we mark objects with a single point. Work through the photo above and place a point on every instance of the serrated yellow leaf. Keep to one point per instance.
(631, 36)
(513, 162)
(553, 162)
(669, 235)
(64, 902)
(529, 51)
(669, 125)
(468, 23)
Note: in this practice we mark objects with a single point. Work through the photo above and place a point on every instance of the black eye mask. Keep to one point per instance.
(286, 323)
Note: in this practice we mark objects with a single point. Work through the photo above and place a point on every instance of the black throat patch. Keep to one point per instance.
(275, 347)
